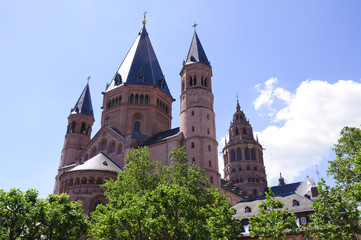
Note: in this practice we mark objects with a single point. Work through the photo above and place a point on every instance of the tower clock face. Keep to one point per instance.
(250, 145)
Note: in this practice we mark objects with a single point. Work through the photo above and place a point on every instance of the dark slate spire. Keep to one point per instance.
(84, 103)
(140, 66)
(196, 52)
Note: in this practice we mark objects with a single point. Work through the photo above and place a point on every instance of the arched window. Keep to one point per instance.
(141, 99)
(211, 179)
(190, 81)
(119, 148)
(233, 156)
(253, 154)
(131, 100)
(91, 180)
(192, 145)
(112, 102)
(205, 82)
(192, 128)
(236, 131)
(247, 210)
(136, 99)
(120, 99)
(193, 161)
(72, 128)
(83, 128)
(208, 131)
(111, 147)
(239, 154)
(116, 101)
(136, 126)
(192, 113)
(207, 116)
(109, 104)
(210, 163)
(99, 180)
(83, 180)
(195, 81)
(244, 131)
(146, 100)
(246, 154)
(103, 144)
(209, 148)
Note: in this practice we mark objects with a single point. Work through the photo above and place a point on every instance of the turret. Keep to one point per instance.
(243, 157)
(80, 122)
(197, 118)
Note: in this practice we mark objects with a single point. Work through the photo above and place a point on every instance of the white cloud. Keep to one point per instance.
(309, 123)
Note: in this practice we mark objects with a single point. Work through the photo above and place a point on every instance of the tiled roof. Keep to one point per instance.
(196, 52)
(162, 136)
(229, 187)
(100, 162)
(140, 66)
(84, 103)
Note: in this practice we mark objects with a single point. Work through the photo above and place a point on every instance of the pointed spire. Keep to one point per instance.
(238, 107)
(140, 66)
(196, 52)
(84, 103)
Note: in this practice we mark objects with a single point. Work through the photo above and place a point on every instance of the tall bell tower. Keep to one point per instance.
(80, 123)
(243, 157)
(197, 118)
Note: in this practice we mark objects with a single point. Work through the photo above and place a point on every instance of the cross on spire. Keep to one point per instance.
(145, 16)
(194, 26)
(88, 78)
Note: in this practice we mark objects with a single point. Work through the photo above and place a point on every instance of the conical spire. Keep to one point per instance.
(140, 66)
(84, 103)
(196, 52)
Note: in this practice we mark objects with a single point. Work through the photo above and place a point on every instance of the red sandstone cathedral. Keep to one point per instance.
(137, 111)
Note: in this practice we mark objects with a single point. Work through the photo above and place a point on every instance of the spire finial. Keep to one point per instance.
(88, 78)
(238, 107)
(145, 15)
(194, 26)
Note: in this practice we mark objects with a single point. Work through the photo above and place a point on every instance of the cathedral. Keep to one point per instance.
(137, 111)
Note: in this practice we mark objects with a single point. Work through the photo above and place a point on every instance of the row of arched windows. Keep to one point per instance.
(209, 147)
(249, 154)
(104, 146)
(193, 81)
(114, 102)
(236, 131)
(139, 99)
(72, 183)
(85, 129)
(162, 106)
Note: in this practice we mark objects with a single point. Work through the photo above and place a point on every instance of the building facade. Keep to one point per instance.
(137, 111)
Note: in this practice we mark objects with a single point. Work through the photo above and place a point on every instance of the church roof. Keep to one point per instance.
(162, 136)
(140, 66)
(100, 162)
(84, 103)
(229, 187)
(196, 52)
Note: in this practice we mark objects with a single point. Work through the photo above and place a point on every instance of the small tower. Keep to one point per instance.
(80, 122)
(243, 157)
(197, 118)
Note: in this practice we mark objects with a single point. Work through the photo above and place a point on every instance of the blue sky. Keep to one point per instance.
(295, 66)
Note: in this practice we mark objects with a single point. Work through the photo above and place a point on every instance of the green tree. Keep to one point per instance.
(150, 201)
(273, 222)
(337, 214)
(24, 216)
(64, 219)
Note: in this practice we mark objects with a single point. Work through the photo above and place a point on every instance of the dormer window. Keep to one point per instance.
(295, 203)
(140, 75)
(117, 79)
(247, 210)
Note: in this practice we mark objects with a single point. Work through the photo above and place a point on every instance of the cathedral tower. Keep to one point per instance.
(137, 101)
(197, 118)
(80, 122)
(243, 157)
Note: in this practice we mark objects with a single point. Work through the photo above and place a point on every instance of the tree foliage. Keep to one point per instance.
(24, 216)
(150, 201)
(272, 222)
(337, 214)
